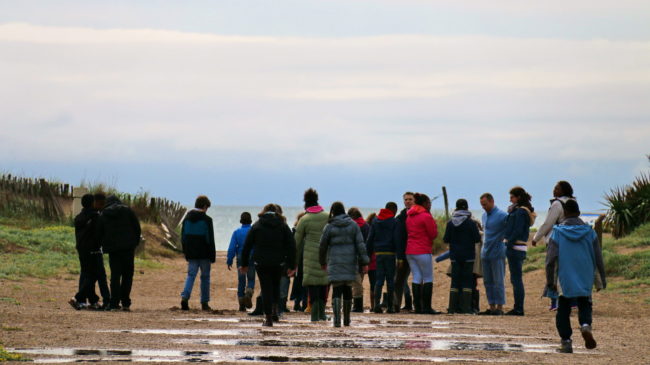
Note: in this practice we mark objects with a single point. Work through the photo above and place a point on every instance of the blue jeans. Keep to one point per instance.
(494, 272)
(385, 272)
(515, 263)
(193, 266)
(421, 267)
(245, 281)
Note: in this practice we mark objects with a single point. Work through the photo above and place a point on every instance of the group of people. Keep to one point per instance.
(105, 225)
(333, 252)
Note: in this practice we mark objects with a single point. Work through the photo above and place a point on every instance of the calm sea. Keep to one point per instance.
(226, 219)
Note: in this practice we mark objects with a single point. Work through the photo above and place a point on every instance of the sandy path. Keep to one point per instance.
(40, 318)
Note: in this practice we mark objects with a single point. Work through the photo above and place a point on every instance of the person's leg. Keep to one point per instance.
(401, 282)
(266, 285)
(241, 283)
(100, 275)
(454, 290)
(563, 323)
(416, 284)
(205, 280)
(372, 277)
(389, 275)
(192, 271)
(115, 263)
(347, 304)
(284, 284)
(515, 263)
(489, 283)
(337, 294)
(425, 262)
(357, 293)
(128, 258)
(86, 280)
(584, 318)
(380, 277)
(314, 301)
(466, 286)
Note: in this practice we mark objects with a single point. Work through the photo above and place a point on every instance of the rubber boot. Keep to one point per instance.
(427, 294)
(296, 306)
(321, 308)
(268, 320)
(315, 311)
(476, 296)
(242, 306)
(206, 307)
(384, 301)
(259, 307)
(347, 307)
(336, 307)
(466, 301)
(416, 290)
(358, 305)
(376, 308)
(248, 295)
(453, 301)
(390, 308)
(275, 315)
(408, 302)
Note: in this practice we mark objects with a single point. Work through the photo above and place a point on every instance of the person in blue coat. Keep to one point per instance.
(245, 282)
(493, 255)
(521, 215)
(574, 248)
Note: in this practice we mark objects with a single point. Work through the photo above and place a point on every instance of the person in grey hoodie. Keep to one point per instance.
(342, 252)
(461, 235)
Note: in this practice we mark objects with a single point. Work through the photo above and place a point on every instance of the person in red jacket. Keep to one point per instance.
(421, 230)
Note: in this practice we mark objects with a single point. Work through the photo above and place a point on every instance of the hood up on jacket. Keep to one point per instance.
(114, 207)
(385, 214)
(574, 232)
(270, 219)
(459, 217)
(416, 209)
(341, 220)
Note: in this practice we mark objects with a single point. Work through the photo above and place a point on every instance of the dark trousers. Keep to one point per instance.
(515, 264)
(401, 280)
(269, 277)
(385, 272)
(86, 282)
(461, 275)
(317, 292)
(372, 278)
(563, 316)
(122, 268)
(342, 290)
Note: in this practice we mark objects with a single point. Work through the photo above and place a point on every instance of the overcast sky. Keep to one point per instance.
(254, 101)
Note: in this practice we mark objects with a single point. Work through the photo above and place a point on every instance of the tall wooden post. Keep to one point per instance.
(444, 195)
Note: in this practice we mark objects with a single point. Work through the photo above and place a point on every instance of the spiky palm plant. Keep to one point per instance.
(629, 206)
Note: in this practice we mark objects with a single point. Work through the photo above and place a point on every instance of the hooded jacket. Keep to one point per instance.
(518, 226)
(461, 235)
(85, 224)
(197, 236)
(237, 243)
(271, 241)
(574, 247)
(342, 249)
(384, 233)
(421, 230)
(555, 216)
(308, 234)
(118, 229)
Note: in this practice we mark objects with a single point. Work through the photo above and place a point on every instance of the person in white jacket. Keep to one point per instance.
(562, 192)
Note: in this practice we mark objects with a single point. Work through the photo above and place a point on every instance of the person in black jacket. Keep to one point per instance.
(403, 270)
(197, 236)
(461, 235)
(90, 258)
(274, 248)
(382, 242)
(118, 231)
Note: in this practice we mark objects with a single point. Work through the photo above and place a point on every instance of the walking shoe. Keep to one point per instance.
(74, 304)
(497, 312)
(566, 347)
(126, 309)
(185, 305)
(358, 305)
(205, 307)
(514, 312)
(268, 321)
(552, 307)
(248, 295)
(95, 306)
(585, 330)
(112, 307)
(487, 312)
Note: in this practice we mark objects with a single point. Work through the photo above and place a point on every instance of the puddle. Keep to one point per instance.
(437, 345)
(185, 332)
(66, 355)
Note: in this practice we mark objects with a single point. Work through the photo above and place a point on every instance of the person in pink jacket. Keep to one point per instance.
(421, 230)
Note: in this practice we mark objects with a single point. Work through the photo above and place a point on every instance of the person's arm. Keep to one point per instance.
(476, 232)
(183, 237)
(137, 230)
(517, 218)
(362, 254)
(444, 256)
(551, 263)
(232, 250)
(290, 248)
(432, 228)
(322, 247)
(248, 246)
(553, 216)
(447, 237)
(299, 238)
(370, 243)
(600, 265)
(211, 244)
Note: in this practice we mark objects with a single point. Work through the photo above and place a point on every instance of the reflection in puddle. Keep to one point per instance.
(438, 345)
(65, 355)
(183, 332)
